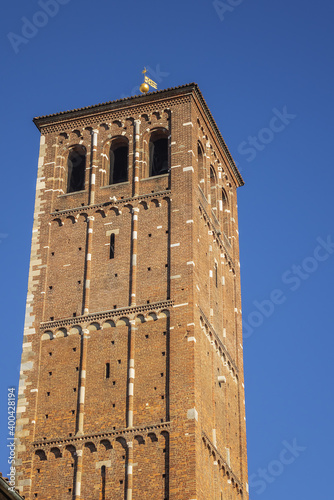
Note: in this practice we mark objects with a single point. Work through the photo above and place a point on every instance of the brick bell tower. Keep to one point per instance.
(132, 368)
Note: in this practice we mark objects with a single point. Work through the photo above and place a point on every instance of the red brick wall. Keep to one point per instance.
(167, 324)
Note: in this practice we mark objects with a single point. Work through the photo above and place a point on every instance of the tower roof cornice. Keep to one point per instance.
(187, 89)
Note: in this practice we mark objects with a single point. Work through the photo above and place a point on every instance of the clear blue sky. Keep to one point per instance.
(266, 72)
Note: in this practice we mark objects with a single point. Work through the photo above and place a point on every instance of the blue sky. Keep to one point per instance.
(266, 72)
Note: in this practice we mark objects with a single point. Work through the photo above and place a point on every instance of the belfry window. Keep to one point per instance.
(213, 190)
(118, 170)
(158, 164)
(76, 169)
(200, 165)
(225, 213)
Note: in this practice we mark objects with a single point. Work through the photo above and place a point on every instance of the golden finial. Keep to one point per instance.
(145, 86)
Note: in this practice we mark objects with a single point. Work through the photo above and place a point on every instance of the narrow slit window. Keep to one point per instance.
(103, 481)
(216, 274)
(112, 246)
(107, 370)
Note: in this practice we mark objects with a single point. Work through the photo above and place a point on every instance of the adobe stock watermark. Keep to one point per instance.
(3, 236)
(225, 7)
(30, 27)
(254, 144)
(263, 477)
(11, 405)
(293, 279)
(155, 74)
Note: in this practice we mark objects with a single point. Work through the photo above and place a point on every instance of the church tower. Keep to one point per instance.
(131, 381)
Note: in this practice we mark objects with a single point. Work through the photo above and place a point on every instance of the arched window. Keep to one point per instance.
(76, 169)
(213, 190)
(158, 164)
(225, 213)
(200, 165)
(118, 166)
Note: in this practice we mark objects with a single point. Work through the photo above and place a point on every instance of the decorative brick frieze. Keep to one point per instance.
(218, 340)
(217, 233)
(221, 462)
(134, 201)
(114, 314)
(128, 434)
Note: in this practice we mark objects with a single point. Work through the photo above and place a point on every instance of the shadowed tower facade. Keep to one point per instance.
(131, 381)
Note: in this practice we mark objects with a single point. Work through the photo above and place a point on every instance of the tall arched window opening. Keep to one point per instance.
(213, 190)
(158, 146)
(118, 154)
(225, 213)
(76, 169)
(200, 166)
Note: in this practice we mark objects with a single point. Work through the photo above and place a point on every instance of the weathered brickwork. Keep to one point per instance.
(132, 368)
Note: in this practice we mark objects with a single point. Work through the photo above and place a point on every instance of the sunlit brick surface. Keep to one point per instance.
(132, 369)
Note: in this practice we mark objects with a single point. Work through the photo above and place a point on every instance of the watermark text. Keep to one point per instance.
(11, 433)
(30, 27)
